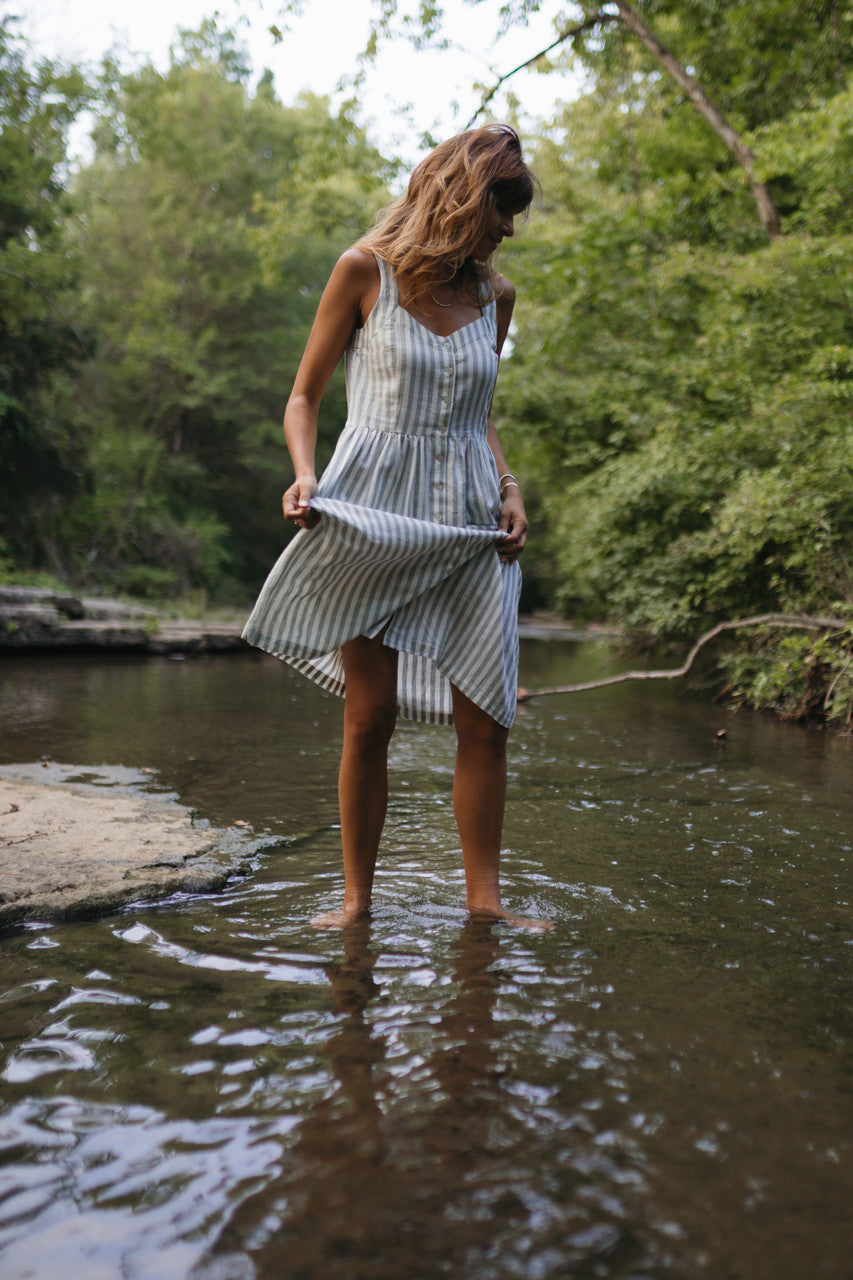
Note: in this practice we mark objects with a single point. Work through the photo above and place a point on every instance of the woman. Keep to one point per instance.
(401, 590)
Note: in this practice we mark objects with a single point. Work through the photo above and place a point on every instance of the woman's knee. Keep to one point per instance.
(371, 693)
(480, 732)
(369, 727)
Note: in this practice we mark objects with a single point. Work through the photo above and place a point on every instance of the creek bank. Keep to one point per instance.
(77, 841)
(33, 618)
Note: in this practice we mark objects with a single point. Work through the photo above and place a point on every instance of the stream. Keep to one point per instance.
(660, 1089)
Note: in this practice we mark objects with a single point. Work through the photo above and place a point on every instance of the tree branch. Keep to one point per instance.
(586, 25)
(800, 621)
(50, 301)
(730, 137)
(767, 212)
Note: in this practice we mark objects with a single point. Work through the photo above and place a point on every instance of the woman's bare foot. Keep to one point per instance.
(518, 922)
(340, 918)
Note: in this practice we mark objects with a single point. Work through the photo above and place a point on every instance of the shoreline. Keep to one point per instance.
(34, 620)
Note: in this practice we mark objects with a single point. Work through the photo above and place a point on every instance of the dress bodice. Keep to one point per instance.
(405, 379)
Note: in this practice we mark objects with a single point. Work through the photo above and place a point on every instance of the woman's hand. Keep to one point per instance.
(295, 502)
(514, 521)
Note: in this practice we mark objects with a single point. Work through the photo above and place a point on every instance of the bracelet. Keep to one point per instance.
(508, 476)
(510, 484)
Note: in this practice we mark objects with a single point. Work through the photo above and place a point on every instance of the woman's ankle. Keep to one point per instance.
(340, 917)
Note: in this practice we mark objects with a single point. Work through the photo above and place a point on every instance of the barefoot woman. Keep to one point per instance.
(401, 590)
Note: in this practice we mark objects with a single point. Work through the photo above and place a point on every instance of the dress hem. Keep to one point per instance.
(305, 664)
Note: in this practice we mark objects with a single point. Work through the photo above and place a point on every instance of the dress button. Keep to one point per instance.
(438, 485)
(439, 457)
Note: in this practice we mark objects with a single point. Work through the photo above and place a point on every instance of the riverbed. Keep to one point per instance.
(659, 1089)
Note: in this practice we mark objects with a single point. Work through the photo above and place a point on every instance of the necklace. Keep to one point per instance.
(442, 304)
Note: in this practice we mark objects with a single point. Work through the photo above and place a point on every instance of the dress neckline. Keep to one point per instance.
(442, 337)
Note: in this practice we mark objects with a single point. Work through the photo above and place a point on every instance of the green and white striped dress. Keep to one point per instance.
(407, 540)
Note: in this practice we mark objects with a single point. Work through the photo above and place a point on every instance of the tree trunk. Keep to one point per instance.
(703, 104)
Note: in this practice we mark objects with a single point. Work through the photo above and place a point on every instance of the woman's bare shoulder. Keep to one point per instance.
(504, 291)
(357, 266)
(505, 301)
(353, 286)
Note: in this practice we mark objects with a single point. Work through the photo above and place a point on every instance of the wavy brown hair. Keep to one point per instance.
(430, 232)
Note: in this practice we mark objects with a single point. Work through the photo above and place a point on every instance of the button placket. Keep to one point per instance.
(441, 488)
(446, 386)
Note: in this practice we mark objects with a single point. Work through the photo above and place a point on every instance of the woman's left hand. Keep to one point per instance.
(514, 521)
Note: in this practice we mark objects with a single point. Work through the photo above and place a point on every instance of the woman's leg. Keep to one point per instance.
(479, 798)
(370, 714)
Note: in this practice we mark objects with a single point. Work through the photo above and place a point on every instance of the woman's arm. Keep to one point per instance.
(513, 517)
(346, 303)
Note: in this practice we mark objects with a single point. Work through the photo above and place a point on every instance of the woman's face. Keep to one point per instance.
(498, 224)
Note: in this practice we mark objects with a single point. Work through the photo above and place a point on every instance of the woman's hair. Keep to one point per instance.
(430, 232)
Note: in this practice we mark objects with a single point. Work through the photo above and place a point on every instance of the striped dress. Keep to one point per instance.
(407, 539)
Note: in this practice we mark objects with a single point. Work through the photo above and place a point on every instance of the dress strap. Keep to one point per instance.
(388, 295)
(383, 306)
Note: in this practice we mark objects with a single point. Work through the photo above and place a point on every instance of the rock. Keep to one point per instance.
(67, 605)
(113, 610)
(78, 842)
(46, 614)
(32, 618)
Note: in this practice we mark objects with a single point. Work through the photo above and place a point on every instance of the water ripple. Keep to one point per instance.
(207, 1089)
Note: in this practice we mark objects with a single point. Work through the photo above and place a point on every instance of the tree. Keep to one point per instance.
(208, 220)
(736, 64)
(39, 460)
(678, 397)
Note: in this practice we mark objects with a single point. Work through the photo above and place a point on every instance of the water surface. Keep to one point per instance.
(658, 1090)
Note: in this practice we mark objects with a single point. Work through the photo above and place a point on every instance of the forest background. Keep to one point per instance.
(678, 397)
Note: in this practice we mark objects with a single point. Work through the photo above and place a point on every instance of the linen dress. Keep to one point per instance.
(407, 540)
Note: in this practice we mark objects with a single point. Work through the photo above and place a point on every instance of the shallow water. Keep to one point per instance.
(658, 1090)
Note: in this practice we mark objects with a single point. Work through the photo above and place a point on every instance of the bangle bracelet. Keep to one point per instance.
(510, 484)
(508, 476)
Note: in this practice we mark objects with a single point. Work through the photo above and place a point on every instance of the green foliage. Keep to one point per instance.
(39, 460)
(798, 676)
(679, 397)
(208, 221)
(808, 160)
(735, 487)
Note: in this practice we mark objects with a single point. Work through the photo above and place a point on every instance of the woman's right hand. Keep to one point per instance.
(295, 502)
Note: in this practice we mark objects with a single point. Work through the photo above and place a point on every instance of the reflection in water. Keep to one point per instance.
(380, 1172)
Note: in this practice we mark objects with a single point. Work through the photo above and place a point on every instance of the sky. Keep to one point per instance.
(406, 92)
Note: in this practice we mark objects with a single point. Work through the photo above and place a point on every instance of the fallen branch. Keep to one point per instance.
(801, 621)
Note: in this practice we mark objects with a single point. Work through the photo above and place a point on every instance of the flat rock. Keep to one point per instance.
(105, 608)
(37, 619)
(78, 842)
(33, 618)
